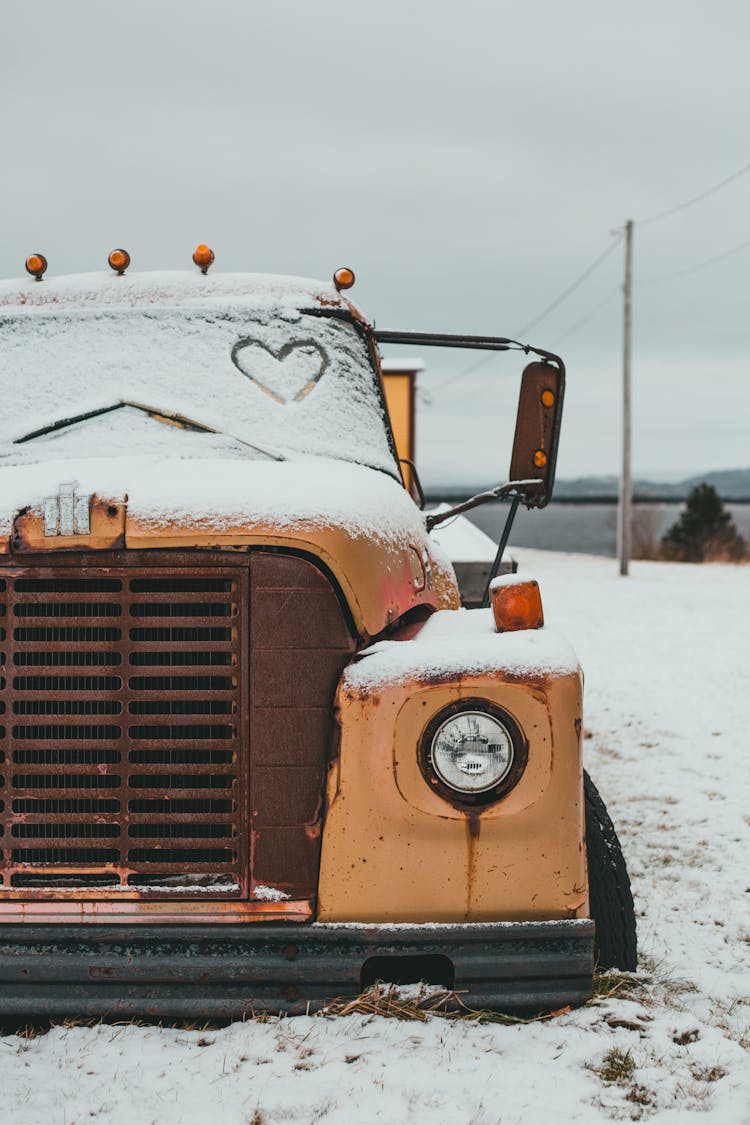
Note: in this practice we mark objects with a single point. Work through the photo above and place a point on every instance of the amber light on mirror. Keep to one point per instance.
(516, 605)
(203, 256)
(36, 265)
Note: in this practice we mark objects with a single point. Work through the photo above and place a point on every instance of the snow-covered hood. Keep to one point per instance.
(225, 493)
(358, 521)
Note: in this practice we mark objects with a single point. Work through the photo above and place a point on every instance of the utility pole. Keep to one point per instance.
(624, 513)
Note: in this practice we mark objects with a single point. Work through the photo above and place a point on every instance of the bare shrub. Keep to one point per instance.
(645, 538)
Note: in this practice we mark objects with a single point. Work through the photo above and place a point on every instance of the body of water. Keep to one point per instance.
(589, 528)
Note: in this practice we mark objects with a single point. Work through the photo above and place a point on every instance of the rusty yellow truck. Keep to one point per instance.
(253, 752)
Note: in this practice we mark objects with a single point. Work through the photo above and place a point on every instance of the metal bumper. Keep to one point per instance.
(226, 972)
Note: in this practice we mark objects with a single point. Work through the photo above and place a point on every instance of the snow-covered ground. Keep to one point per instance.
(667, 659)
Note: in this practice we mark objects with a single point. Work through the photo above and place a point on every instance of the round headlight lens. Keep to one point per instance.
(471, 752)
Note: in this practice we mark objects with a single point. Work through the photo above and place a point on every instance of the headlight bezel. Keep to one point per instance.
(518, 742)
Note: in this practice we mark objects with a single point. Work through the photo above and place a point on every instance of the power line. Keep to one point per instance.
(464, 371)
(572, 287)
(597, 262)
(537, 319)
(695, 198)
(698, 266)
(585, 319)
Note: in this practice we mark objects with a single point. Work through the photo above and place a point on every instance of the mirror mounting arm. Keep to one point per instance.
(517, 489)
(495, 570)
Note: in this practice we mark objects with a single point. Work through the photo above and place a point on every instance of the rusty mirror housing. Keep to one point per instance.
(538, 430)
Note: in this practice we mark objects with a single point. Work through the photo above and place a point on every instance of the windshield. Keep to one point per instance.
(290, 383)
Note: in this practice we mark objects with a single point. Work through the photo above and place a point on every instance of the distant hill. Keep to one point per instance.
(731, 484)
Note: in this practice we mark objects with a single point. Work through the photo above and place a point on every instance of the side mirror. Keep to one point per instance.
(537, 435)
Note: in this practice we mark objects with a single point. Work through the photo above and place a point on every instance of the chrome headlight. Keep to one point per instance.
(472, 752)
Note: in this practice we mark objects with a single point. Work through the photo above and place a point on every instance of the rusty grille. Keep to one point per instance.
(122, 727)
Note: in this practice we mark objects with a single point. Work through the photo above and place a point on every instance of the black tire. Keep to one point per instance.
(610, 900)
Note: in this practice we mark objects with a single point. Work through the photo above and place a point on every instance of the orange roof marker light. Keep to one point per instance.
(344, 278)
(36, 265)
(119, 260)
(516, 603)
(203, 256)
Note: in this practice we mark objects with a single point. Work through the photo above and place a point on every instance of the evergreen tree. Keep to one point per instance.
(704, 531)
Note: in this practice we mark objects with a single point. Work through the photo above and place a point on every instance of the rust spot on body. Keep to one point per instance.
(473, 831)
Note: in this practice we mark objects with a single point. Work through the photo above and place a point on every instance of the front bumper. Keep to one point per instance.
(188, 972)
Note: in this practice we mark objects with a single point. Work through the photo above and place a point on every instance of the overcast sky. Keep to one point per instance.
(469, 160)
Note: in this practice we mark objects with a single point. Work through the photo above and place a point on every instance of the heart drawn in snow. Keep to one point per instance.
(287, 375)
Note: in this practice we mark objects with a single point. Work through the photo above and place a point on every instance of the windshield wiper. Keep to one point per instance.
(153, 412)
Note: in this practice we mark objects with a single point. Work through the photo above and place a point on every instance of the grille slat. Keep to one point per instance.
(67, 756)
(198, 660)
(72, 831)
(149, 762)
(194, 859)
(66, 727)
(67, 855)
(72, 632)
(217, 807)
(67, 707)
(175, 685)
(166, 588)
(73, 612)
(33, 807)
(68, 784)
(181, 785)
(190, 634)
(179, 704)
(48, 663)
(184, 732)
(187, 833)
(192, 611)
(64, 684)
(41, 878)
(163, 794)
(59, 587)
(159, 816)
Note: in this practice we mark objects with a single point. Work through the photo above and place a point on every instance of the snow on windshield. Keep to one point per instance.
(291, 382)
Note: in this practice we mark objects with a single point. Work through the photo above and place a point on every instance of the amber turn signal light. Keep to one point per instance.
(548, 398)
(36, 265)
(516, 605)
(540, 459)
(203, 256)
(344, 278)
(119, 260)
